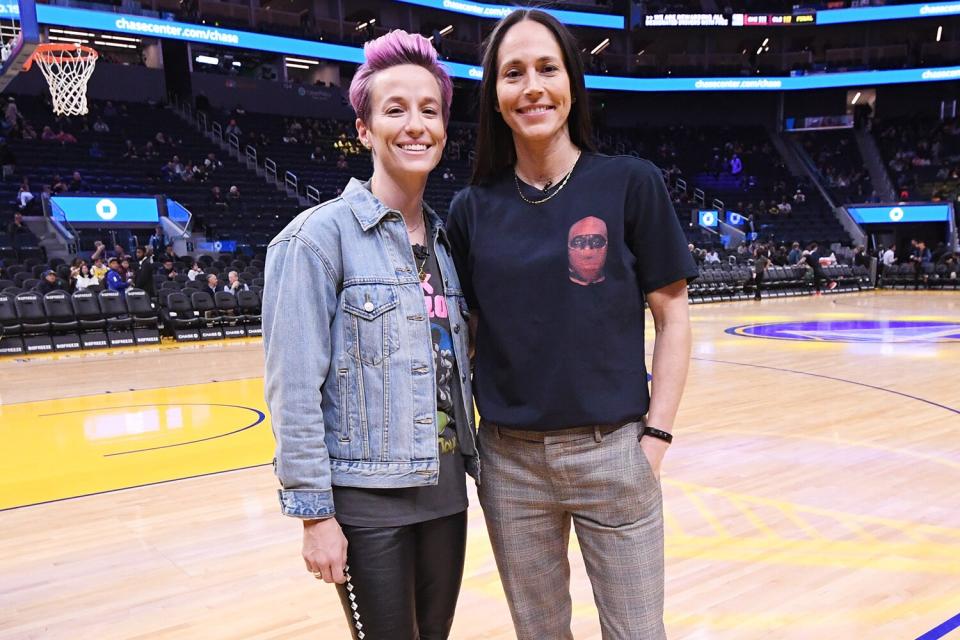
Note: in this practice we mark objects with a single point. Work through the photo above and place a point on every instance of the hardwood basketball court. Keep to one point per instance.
(811, 492)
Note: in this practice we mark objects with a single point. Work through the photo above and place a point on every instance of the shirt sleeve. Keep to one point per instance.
(654, 232)
(458, 232)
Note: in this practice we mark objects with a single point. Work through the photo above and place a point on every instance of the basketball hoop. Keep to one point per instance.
(67, 67)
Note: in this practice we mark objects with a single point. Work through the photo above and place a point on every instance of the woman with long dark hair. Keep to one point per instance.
(558, 249)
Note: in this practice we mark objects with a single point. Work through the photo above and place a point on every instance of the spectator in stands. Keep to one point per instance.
(736, 165)
(11, 114)
(342, 163)
(234, 284)
(50, 282)
(889, 256)
(127, 270)
(65, 137)
(211, 165)
(170, 254)
(799, 197)
(57, 185)
(300, 285)
(18, 232)
(216, 199)
(233, 128)
(130, 151)
(213, 284)
(158, 240)
(234, 201)
(144, 276)
(99, 269)
(795, 254)
(76, 182)
(712, 257)
(195, 270)
(150, 151)
(920, 257)
(96, 152)
(167, 269)
(317, 155)
(24, 195)
(448, 175)
(83, 279)
(117, 252)
(168, 171)
(100, 126)
(48, 135)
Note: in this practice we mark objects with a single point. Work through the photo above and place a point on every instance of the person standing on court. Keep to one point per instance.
(558, 248)
(367, 365)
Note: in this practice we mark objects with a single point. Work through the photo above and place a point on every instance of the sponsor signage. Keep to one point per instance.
(901, 213)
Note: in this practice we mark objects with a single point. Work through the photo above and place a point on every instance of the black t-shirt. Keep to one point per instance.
(398, 507)
(560, 291)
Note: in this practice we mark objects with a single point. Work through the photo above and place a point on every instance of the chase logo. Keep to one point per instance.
(896, 214)
(855, 331)
(106, 209)
(708, 218)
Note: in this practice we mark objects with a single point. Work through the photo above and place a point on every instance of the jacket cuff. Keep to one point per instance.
(306, 504)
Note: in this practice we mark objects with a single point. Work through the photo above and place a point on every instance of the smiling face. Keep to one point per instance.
(533, 86)
(405, 128)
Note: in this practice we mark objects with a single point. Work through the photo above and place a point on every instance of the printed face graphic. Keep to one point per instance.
(587, 251)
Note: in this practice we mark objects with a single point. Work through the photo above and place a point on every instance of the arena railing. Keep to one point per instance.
(270, 167)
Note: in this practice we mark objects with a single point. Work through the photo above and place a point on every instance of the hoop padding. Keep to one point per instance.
(67, 69)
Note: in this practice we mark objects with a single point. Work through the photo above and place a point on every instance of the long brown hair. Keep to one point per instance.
(495, 149)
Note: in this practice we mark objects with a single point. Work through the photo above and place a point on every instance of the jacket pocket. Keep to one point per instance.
(372, 329)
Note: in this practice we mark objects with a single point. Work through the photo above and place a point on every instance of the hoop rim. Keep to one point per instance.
(87, 53)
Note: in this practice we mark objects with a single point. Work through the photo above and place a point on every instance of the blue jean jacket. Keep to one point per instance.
(349, 379)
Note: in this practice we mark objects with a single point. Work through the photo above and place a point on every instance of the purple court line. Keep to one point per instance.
(938, 632)
(818, 375)
(260, 418)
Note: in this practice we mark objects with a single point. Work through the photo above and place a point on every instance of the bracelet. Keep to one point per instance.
(658, 434)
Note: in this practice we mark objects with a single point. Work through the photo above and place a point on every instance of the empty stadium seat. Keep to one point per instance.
(10, 327)
(64, 327)
(144, 317)
(33, 321)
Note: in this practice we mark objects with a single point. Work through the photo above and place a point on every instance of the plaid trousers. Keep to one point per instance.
(533, 484)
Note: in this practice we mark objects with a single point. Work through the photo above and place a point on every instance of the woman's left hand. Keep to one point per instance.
(654, 449)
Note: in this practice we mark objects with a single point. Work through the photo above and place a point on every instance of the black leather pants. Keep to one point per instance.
(405, 580)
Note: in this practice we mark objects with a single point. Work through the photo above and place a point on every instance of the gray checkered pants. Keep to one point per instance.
(533, 485)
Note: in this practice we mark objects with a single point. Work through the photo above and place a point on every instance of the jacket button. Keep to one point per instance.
(368, 306)
(456, 328)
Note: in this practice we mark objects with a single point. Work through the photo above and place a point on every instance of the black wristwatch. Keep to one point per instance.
(658, 434)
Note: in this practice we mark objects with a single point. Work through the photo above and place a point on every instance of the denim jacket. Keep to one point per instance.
(350, 381)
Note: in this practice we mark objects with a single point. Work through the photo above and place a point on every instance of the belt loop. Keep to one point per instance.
(597, 436)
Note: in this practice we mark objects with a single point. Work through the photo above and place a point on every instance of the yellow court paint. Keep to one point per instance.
(78, 446)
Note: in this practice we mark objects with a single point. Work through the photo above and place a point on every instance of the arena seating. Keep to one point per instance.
(922, 156)
(841, 166)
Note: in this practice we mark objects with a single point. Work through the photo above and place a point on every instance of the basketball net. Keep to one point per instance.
(67, 68)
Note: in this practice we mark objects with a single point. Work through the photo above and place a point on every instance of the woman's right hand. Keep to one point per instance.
(325, 549)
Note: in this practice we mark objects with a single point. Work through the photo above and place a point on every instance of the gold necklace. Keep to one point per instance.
(560, 187)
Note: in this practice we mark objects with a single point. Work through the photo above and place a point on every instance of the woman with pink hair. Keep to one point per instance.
(366, 365)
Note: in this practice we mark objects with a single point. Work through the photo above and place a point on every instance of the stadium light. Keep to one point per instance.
(447, 29)
(765, 41)
(759, 49)
(119, 45)
(856, 98)
(72, 33)
(294, 65)
(236, 63)
(64, 39)
(939, 32)
(600, 47)
(300, 60)
(207, 60)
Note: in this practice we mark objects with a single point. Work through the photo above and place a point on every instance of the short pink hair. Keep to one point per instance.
(395, 48)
